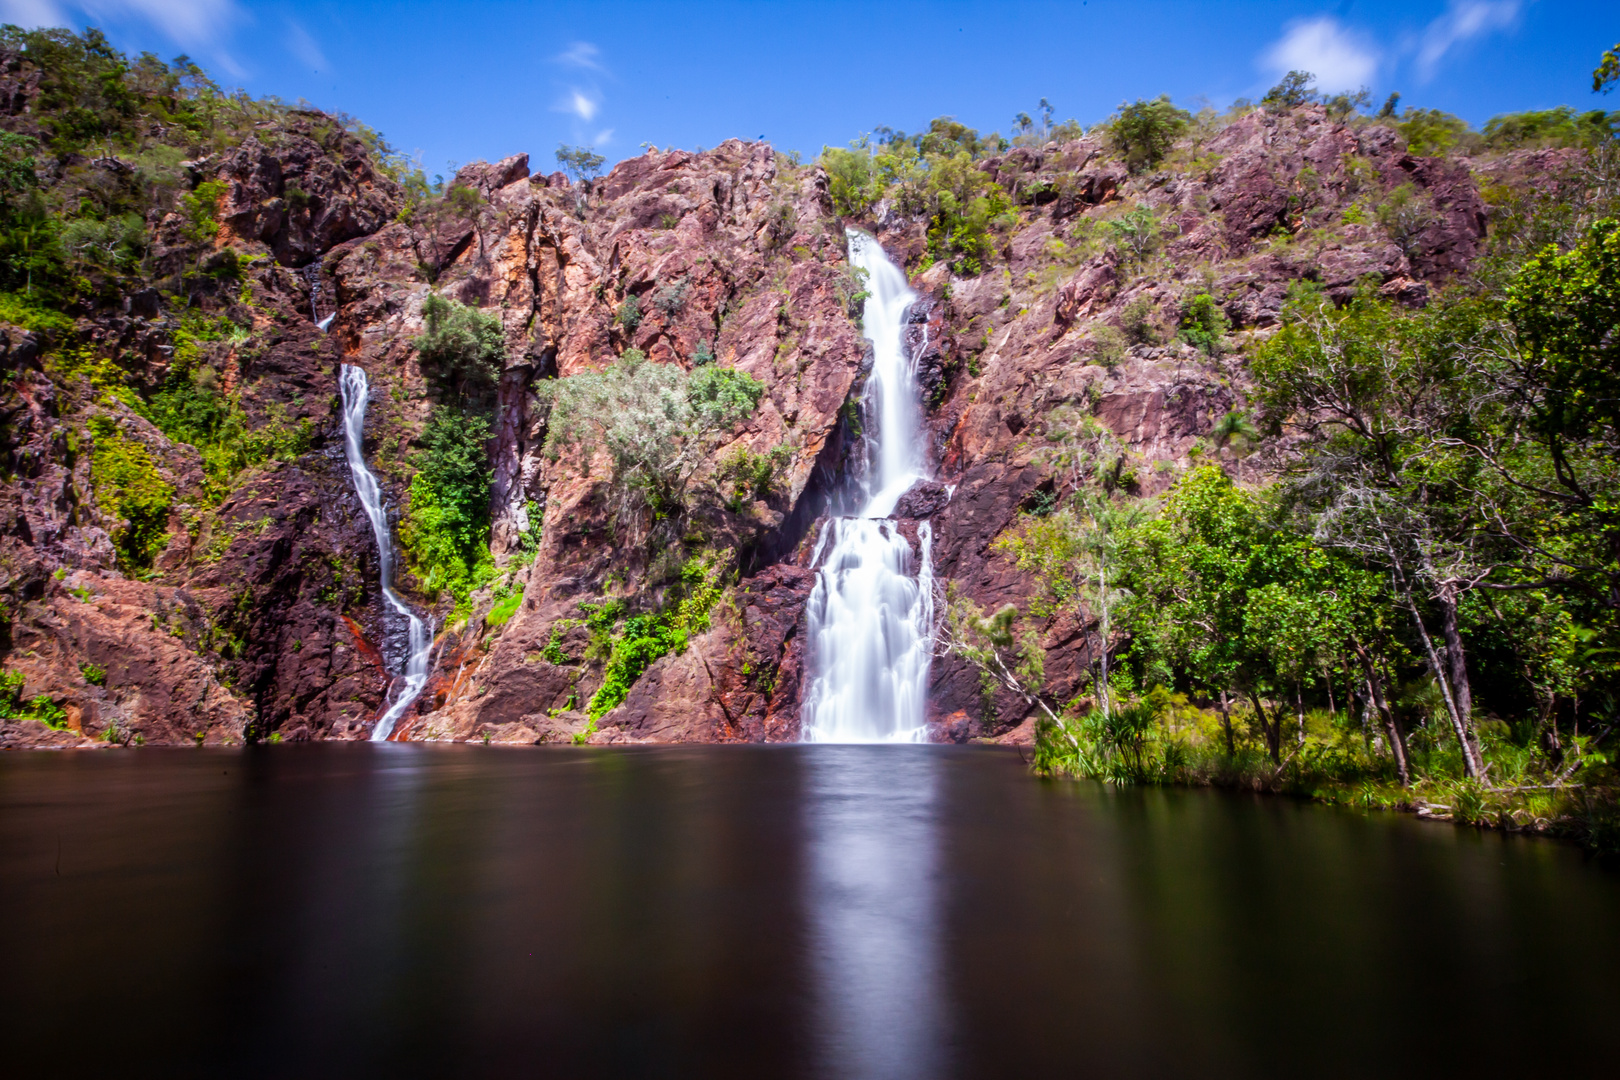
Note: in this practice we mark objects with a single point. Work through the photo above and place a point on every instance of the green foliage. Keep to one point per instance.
(446, 531)
(932, 175)
(647, 638)
(1607, 72)
(130, 492)
(1143, 132)
(580, 163)
(190, 408)
(93, 674)
(1561, 126)
(656, 423)
(505, 607)
(744, 475)
(40, 707)
(703, 354)
(1203, 323)
(1140, 322)
(1430, 132)
(461, 350)
(671, 298)
(199, 212)
(628, 314)
(1296, 88)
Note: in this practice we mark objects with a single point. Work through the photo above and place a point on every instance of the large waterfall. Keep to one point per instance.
(356, 388)
(872, 610)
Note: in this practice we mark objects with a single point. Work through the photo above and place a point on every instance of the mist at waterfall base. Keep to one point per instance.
(849, 912)
(870, 616)
(356, 389)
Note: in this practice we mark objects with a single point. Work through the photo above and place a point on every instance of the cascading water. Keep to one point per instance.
(871, 613)
(356, 388)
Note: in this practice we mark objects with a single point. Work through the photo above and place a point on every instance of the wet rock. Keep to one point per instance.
(925, 499)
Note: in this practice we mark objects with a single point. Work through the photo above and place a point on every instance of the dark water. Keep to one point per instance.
(764, 912)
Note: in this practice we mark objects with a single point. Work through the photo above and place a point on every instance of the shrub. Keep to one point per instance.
(1405, 213)
(628, 314)
(461, 350)
(1430, 131)
(702, 355)
(656, 423)
(130, 491)
(671, 298)
(446, 531)
(1562, 126)
(1144, 132)
(40, 707)
(744, 475)
(1203, 323)
(647, 638)
(1140, 323)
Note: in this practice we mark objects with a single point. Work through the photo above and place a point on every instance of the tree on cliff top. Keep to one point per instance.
(1144, 132)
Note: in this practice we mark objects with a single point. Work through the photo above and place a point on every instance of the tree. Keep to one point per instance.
(581, 164)
(1607, 71)
(1296, 88)
(1376, 396)
(1144, 132)
(657, 424)
(461, 350)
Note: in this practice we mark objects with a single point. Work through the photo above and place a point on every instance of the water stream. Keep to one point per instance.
(356, 388)
(871, 612)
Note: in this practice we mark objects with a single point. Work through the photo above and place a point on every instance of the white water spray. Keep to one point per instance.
(356, 388)
(871, 614)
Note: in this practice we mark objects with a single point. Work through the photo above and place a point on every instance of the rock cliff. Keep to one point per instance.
(259, 616)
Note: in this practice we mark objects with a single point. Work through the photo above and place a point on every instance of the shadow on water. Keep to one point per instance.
(818, 911)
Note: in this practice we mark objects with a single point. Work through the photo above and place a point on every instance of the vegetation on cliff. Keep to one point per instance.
(1418, 606)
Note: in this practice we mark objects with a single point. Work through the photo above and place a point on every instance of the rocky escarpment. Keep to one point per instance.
(261, 615)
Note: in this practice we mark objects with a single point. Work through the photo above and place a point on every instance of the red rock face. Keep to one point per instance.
(263, 614)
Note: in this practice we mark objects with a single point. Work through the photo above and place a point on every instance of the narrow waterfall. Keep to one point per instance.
(356, 388)
(871, 613)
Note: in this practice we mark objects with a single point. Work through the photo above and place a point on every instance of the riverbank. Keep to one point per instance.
(1332, 761)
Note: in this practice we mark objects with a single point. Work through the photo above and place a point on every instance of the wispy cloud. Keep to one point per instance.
(302, 45)
(1463, 21)
(1340, 58)
(582, 54)
(580, 76)
(196, 25)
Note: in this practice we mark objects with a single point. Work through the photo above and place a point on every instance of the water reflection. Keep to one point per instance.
(872, 855)
(815, 911)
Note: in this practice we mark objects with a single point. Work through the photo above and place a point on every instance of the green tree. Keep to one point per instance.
(1143, 132)
(657, 424)
(1296, 88)
(446, 530)
(461, 350)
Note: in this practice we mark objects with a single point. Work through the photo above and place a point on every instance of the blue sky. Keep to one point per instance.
(459, 82)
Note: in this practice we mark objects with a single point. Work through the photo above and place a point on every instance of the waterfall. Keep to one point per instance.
(356, 388)
(871, 613)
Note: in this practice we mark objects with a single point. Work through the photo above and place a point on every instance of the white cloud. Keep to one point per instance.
(581, 103)
(201, 25)
(1339, 58)
(1463, 21)
(603, 137)
(305, 47)
(193, 23)
(582, 54)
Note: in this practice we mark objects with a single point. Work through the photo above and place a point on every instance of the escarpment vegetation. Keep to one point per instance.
(1273, 447)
